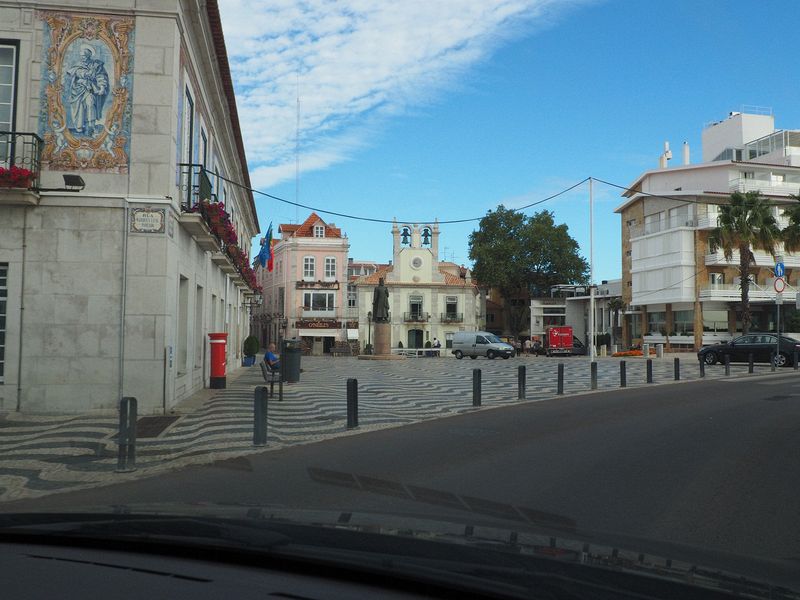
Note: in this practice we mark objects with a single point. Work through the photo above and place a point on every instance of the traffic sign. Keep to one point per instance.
(780, 269)
(779, 285)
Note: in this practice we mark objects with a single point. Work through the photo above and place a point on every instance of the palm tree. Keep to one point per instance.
(791, 234)
(616, 305)
(744, 225)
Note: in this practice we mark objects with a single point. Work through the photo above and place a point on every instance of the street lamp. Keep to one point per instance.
(369, 332)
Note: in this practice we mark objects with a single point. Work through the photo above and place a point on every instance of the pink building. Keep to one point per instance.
(305, 295)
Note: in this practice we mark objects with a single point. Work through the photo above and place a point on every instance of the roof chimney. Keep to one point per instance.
(686, 160)
(662, 161)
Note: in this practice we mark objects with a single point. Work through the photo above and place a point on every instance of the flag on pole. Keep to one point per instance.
(266, 248)
(271, 256)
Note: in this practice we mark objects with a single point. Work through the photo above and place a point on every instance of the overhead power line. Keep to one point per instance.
(374, 220)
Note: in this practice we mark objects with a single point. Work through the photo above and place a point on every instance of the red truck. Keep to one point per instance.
(559, 341)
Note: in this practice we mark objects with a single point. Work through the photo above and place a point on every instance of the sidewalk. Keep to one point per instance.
(44, 454)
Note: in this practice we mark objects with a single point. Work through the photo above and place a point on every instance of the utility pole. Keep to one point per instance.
(591, 270)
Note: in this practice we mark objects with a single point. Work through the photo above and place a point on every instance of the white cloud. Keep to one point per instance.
(354, 62)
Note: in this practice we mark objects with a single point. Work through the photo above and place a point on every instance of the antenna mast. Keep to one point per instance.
(297, 155)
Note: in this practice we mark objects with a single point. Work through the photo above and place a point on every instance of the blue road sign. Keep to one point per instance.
(780, 270)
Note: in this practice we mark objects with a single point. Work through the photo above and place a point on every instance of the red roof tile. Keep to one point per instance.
(306, 228)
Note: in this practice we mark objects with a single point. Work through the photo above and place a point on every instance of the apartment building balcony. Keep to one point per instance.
(20, 164)
(451, 317)
(416, 317)
(732, 292)
(762, 259)
(307, 312)
(660, 226)
(765, 186)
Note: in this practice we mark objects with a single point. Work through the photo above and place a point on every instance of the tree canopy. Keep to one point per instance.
(745, 223)
(514, 252)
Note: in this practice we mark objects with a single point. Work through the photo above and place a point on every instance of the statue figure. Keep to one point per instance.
(87, 85)
(380, 303)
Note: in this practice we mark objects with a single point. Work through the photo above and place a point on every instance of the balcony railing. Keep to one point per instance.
(416, 317)
(452, 317)
(662, 225)
(20, 151)
(732, 292)
(195, 185)
(783, 188)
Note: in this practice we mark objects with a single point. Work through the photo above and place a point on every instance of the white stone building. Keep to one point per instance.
(109, 282)
(427, 298)
(672, 284)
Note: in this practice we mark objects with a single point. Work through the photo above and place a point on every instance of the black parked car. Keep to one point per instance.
(760, 345)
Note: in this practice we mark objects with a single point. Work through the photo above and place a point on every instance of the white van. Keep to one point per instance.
(480, 343)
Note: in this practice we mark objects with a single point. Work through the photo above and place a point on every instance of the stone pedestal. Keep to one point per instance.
(381, 344)
(382, 338)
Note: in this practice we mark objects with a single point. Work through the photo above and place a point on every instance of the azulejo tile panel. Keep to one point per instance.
(87, 84)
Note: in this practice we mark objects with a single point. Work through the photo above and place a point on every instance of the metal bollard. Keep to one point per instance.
(772, 361)
(593, 374)
(794, 360)
(260, 416)
(280, 390)
(750, 363)
(677, 368)
(560, 379)
(521, 382)
(649, 370)
(727, 364)
(352, 403)
(623, 377)
(476, 387)
(702, 367)
(126, 440)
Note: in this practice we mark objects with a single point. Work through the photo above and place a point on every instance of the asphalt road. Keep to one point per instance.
(703, 471)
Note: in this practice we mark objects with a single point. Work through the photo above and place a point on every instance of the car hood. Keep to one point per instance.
(272, 529)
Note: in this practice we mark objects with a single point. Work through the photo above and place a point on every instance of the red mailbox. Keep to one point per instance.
(219, 343)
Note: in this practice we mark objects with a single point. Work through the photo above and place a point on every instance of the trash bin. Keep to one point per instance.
(290, 360)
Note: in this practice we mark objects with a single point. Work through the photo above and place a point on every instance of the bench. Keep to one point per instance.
(270, 376)
(341, 350)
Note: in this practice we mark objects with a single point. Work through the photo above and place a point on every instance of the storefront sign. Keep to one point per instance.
(148, 220)
(318, 324)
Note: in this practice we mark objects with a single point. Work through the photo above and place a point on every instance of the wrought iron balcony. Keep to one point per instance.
(20, 165)
(452, 317)
(416, 317)
(195, 185)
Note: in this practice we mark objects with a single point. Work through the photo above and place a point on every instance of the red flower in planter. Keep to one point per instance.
(15, 177)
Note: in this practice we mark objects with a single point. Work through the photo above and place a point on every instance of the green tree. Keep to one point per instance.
(791, 234)
(519, 255)
(744, 225)
(616, 305)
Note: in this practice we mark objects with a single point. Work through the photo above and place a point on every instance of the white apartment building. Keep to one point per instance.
(569, 304)
(673, 285)
(121, 114)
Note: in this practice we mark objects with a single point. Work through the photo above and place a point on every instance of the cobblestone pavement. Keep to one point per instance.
(46, 454)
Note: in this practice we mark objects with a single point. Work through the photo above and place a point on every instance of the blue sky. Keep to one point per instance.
(424, 109)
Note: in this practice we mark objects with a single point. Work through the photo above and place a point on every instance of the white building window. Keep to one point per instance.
(309, 267)
(352, 296)
(319, 231)
(319, 301)
(330, 268)
(8, 64)
(3, 304)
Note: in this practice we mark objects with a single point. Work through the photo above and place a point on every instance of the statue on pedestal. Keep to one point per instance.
(380, 303)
